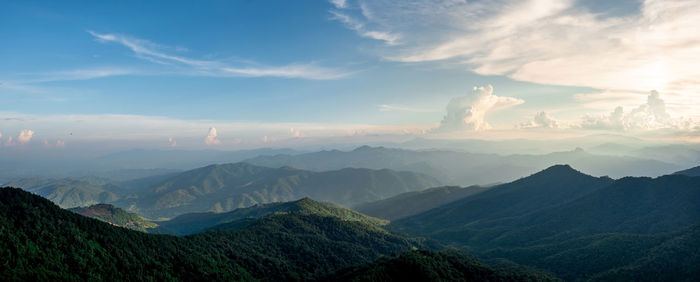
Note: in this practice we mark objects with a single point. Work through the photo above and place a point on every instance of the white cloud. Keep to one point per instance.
(211, 138)
(557, 42)
(469, 112)
(340, 4)
(173, 143)
(541, 120)
(25, 136)
(157, 53)
(361, 28)
(60, 144)
(651, 115)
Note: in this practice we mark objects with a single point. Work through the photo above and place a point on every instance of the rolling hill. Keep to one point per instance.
(71, 192)
(225, 187)
(196, 222)
(411, 203)
(115, 216)
(41, 241)
(695, 171)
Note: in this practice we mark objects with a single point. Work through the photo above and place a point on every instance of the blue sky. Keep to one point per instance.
(259, 71)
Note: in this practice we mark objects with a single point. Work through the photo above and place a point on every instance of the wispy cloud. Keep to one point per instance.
(556, 42)
(361, 28)
(156, 53)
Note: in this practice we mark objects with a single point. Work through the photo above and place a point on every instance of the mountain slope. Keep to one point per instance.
(41, 241)
(551, 187)
(116, 216)
(72, 192)
(695, 171)
(196, 222)
(225, 187)
(411, 203)
(433, 266)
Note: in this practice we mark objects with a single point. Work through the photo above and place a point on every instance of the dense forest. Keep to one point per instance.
(40, 241)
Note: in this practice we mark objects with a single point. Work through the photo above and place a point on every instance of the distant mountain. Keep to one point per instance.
(196, 222)
(115, 216)
(546, 189)
(433, 266)
(578, 226)
(71, 192)
(411, 203)
(225, 187)
(462, 168)
(695, 171)
(178, 159)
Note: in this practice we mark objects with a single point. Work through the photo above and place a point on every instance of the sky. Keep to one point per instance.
(245, 74)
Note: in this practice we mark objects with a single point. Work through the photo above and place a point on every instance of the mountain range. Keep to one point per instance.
(41, 241)
(462, 168)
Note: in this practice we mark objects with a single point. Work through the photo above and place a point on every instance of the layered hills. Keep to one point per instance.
(464, 168)
(41, 241)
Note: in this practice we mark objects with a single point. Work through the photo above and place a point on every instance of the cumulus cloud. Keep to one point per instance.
(173, 143)
(651, 115)
(211, 138)
(561, 42)
(25, 136)
(469, 112)
(59, 144)
(295, 132)
(541, 120)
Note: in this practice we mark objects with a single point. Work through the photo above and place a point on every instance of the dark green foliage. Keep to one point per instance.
(40, 241)
(411, 203)
(196, 222)
(575, 225)
(433, 266)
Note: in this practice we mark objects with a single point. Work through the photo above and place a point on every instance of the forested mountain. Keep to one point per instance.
(226, 187)
(433, 266)
(695, 171)
(40, 241)
(116, 216)
(196, 222)
(462, 168)
(575, 225)
(71, 192)
(412, 203)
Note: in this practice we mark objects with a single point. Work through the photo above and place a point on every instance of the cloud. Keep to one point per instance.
(25, 136)
(173, 143)
(340, 4)
(651, 115)
(156, 53)
(211, 138)
(469, 112)
(541, 120)
(560, 42)
(60, 144)
(361, 28)
(295, 132)
(9, 142)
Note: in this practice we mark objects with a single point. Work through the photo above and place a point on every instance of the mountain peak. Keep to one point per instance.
(558, 170)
